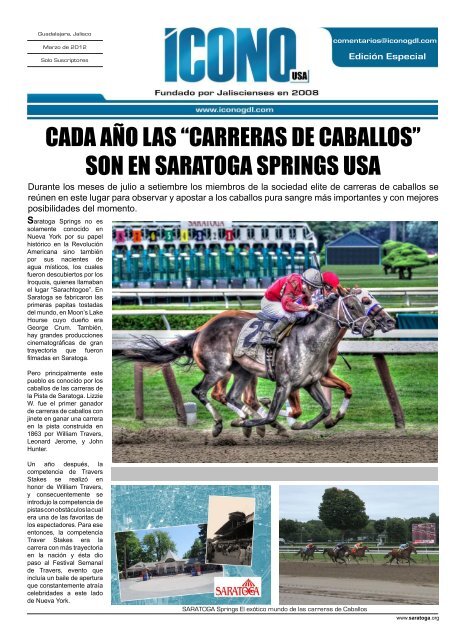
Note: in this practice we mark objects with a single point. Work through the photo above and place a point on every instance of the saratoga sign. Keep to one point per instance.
(238, 587)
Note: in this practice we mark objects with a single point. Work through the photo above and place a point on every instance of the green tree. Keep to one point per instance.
(322, 255)
(342, 509)
(156, 545)
(149, 547)
(389, 245)
(128, 548)
(406, 258)
(203, 538)
(397, 531)
(316, 531)
(196, 549)
(379, 526)
(424, 234)
(289, 529)
(378, 231)
(368, 531)
(328, 231)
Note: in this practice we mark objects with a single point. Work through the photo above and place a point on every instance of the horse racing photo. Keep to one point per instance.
(359, 545)
(274, 342)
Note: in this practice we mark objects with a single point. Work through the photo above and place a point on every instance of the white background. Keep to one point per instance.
(133, 69)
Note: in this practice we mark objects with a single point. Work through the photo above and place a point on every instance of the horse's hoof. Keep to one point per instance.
(217, 430)
(281, 430)
(265, 401)
(260, 431)
(297, 426)
(247, 432)
(237, 422)
(329, 425)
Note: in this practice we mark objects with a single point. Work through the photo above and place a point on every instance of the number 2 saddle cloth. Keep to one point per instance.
(249, 340)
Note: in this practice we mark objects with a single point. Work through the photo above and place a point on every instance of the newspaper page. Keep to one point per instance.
(225, 255)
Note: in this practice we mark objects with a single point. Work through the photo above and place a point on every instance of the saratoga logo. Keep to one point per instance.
(238, 587)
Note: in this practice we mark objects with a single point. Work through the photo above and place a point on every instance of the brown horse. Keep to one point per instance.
(306, 553)
(374, 311)
(337, 555)
(401, 554)
(358, 552)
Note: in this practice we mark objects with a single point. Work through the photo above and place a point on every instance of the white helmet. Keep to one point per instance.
(313, 278)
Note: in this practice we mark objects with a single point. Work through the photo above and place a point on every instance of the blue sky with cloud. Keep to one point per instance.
(382, 501)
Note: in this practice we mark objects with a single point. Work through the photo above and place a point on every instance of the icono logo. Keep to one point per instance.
(223, 54)
(238, 587)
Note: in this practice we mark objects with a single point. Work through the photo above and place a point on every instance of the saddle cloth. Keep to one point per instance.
(248, 343)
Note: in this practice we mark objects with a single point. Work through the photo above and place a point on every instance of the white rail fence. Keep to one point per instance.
(408, 293)
(380, 551)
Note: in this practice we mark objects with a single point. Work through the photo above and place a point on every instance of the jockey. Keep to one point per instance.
(404, 546)
(293, 297)
(310, 546)
(338, 547)
(357, 546)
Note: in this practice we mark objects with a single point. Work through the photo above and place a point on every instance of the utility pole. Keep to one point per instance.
(393, 230)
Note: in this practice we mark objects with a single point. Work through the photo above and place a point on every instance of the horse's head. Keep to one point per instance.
(352, 314)
(374, 310)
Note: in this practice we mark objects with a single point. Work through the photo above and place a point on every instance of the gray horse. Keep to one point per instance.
(300, 362)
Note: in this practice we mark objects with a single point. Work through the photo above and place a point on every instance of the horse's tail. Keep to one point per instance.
(324, 551)
(387, 555)
(149, 349)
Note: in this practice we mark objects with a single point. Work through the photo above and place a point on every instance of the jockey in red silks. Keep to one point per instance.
(293, 297)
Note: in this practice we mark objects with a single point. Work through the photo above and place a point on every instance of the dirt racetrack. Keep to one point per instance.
(363, 583)
(185, 445)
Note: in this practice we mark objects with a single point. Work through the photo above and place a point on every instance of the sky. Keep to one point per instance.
(382, 501)
(182, 536)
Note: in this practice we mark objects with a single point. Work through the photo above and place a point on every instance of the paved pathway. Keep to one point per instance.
(163, 586)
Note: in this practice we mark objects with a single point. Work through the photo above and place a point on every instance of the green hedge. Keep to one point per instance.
(141, 323)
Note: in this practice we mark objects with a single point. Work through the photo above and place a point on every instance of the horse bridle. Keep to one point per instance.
(349, 322)
(374, 309)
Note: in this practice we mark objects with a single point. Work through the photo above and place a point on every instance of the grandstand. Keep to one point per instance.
(151, 254)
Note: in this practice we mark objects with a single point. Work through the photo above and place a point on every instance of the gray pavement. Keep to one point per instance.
(164, 586)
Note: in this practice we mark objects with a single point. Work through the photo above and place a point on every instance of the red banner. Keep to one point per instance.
(424, 533)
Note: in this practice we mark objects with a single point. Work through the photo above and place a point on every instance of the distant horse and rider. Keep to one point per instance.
(401, 554)
(357, 552)
(337, 554)
(303, 360)
(307, 552)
